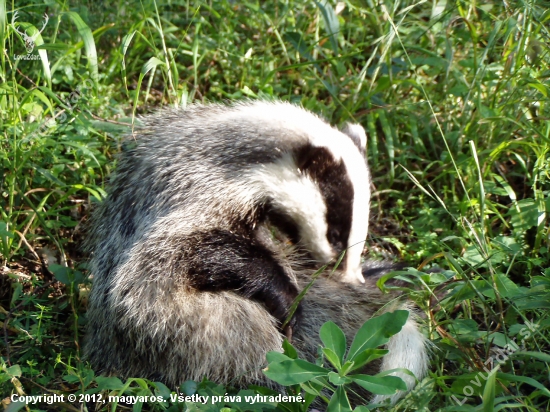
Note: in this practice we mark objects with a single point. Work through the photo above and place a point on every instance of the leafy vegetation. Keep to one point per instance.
(454, 96)
(299, 374)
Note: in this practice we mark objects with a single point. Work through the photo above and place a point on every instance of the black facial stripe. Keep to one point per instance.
(336, 188)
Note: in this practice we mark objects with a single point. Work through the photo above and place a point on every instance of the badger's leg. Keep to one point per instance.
(222, 260)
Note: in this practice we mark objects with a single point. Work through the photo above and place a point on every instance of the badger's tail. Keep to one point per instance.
(408, 349)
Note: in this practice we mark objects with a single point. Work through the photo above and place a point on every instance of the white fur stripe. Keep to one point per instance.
(407, 350)
(296, 195)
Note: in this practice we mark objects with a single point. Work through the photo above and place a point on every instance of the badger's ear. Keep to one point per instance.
(357, 135)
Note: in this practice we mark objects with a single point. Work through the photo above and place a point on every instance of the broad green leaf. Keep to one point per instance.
(108, 383)
(71, 378)
(126, 40)
(275, 356)
(334, 339)
(189, 388)
(377, 331)
(162, 390)
(42, 97)
(380, 385)
(506, 288)
(367, 356)
(293, 371)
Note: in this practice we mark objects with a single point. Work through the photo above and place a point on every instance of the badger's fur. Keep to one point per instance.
(191, 274)
(225, 337)
(190, 191)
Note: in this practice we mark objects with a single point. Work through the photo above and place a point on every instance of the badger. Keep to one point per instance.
(216, 217)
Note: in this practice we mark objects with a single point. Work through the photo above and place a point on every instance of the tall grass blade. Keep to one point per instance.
(89, 45)
(332, 25)
(3, 31)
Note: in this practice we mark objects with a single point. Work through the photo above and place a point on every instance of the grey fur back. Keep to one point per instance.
(222, 336)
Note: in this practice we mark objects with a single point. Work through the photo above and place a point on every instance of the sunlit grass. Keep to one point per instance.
(453, 95)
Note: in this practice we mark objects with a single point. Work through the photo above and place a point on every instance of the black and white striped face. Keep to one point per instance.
(322, 187)
(340, 172)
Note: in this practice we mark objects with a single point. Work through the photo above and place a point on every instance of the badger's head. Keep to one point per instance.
(320, 193)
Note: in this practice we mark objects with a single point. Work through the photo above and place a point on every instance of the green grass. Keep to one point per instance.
(454, 96)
